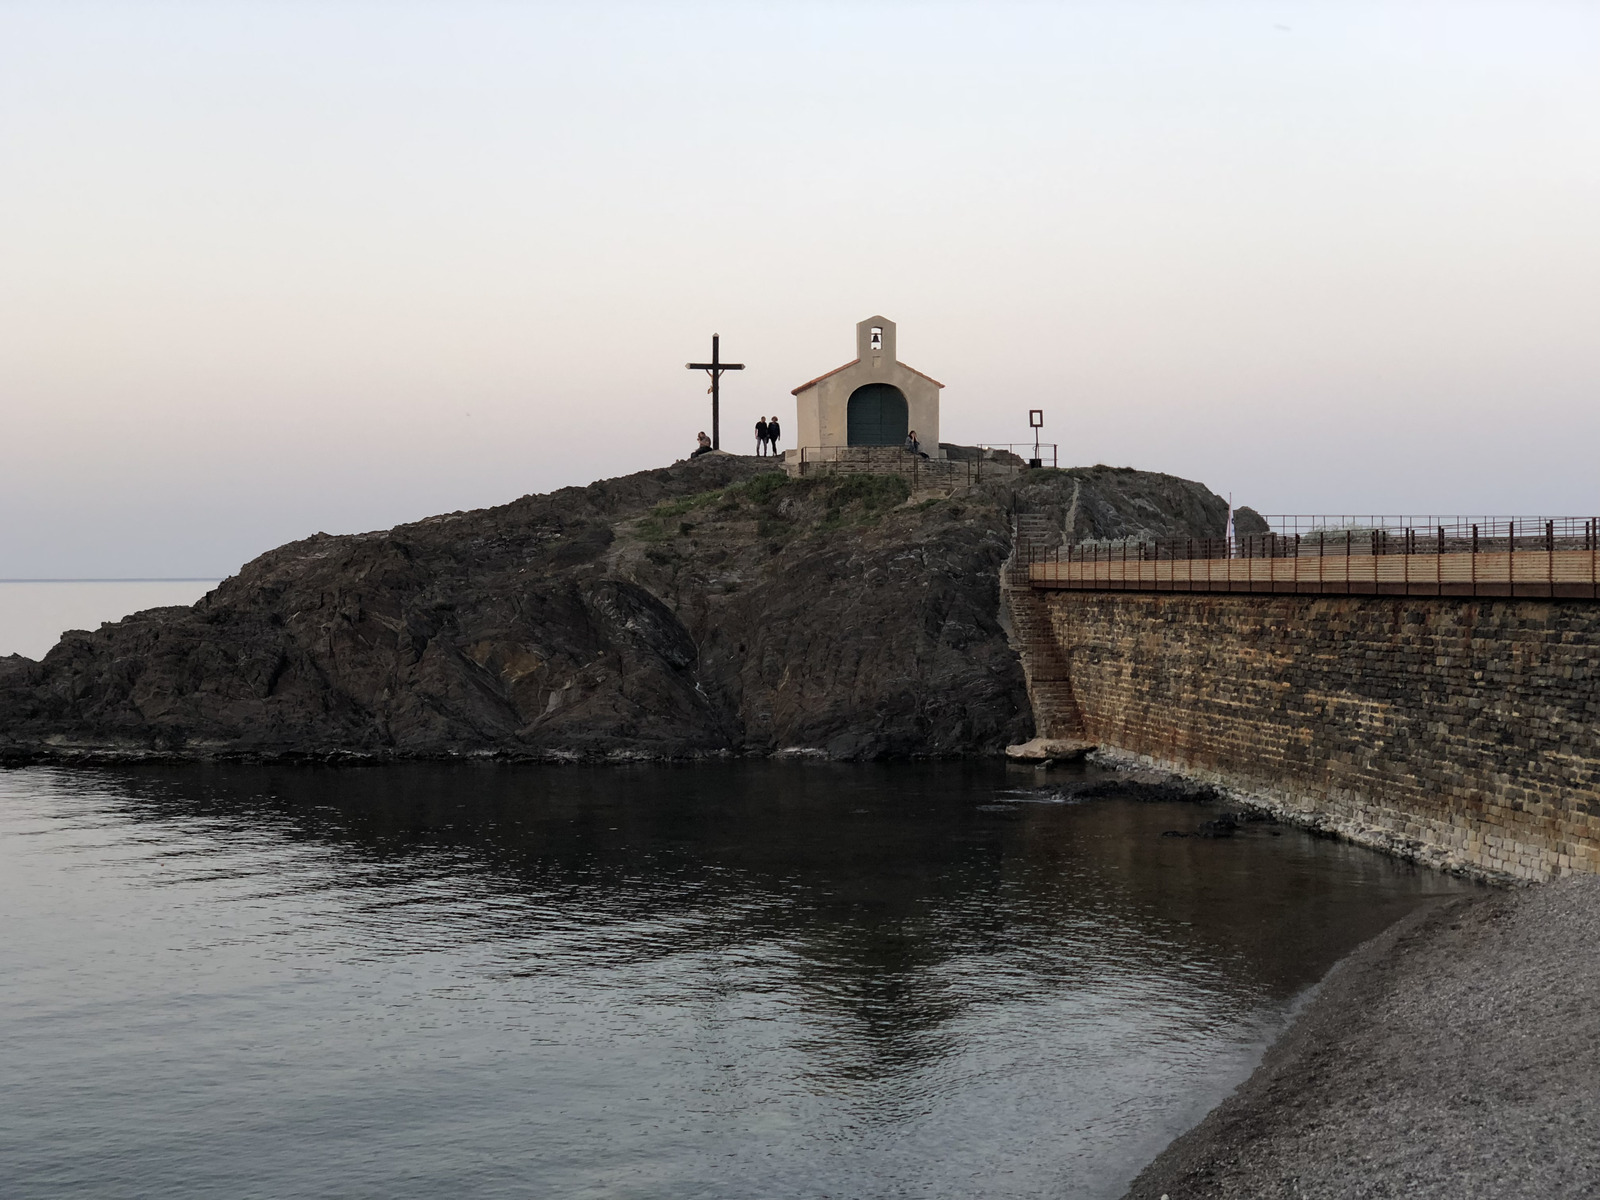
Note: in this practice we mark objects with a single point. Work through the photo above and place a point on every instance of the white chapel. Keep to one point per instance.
(873, 400)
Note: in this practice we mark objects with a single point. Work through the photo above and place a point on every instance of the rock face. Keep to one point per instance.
(1116, 504)
(1247, 522)
(711, 607)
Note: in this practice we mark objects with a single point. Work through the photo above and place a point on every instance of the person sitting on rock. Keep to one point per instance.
(761, 436)
(773, 433)
(705, 445)
(914, 446)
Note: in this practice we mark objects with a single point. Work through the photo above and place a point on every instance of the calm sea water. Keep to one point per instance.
(751, 980)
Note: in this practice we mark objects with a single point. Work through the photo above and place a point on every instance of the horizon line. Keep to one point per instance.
(124, 579)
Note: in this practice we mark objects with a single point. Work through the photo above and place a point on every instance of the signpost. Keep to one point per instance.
(715, 368)
(1036, 420)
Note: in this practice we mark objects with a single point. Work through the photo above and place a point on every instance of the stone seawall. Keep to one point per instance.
(1462, 733)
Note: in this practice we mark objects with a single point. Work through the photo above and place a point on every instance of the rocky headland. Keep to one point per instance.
(712, 607)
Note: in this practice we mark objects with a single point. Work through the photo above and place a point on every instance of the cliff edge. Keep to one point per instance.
(714, 606)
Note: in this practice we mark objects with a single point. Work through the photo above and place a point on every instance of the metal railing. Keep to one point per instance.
(1486, 556)
(1290, 536)
(1396, 526)
(1025, 451)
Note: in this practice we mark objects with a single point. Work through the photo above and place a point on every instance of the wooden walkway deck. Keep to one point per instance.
(1561, 574)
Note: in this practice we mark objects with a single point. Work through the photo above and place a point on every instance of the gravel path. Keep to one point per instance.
(1457, 1054)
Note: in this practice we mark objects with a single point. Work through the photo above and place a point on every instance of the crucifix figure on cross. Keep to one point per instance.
(715, 368)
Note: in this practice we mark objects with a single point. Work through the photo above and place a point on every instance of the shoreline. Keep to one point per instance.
(101, 756)
(1454, 1055)
(1416, 850)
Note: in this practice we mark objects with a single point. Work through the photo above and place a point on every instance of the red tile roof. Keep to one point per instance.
(823, 376)
(847, 366)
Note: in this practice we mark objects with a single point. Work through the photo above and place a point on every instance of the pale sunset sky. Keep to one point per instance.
(274, 268)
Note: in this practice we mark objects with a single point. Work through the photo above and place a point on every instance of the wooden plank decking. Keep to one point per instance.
(1561, 574)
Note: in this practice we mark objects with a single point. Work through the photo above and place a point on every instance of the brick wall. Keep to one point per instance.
(1465, 733)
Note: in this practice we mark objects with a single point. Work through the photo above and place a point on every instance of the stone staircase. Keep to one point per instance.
(1056, 714)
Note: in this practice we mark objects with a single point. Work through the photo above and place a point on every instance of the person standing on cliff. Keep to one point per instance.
(773, 433)
(761, 436)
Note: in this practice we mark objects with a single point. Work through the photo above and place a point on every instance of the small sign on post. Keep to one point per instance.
(1036, 423)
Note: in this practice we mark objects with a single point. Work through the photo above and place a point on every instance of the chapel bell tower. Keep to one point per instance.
(875, 342)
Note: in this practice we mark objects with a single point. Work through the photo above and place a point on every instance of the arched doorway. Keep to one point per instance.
(876, 416)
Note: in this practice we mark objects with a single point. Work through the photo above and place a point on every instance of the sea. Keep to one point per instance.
(736, 979)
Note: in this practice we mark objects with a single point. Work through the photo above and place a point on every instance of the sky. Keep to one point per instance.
(274, 268)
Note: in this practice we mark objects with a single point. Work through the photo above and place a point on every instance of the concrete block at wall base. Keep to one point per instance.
(1306, 812)
(1040, 749)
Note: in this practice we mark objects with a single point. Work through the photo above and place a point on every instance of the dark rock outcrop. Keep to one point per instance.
(1247, 522)
(1119, 504)
(711, 607)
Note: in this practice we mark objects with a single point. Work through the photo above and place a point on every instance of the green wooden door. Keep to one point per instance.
(877, 416)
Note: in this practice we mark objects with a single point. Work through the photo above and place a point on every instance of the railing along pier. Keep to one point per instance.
(1550, 557)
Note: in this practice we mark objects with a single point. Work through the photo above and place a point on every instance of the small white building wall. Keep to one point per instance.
(827, 405)
(807, 420)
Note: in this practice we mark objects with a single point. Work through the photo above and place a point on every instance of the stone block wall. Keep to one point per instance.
(1463, 732)
(921, 473)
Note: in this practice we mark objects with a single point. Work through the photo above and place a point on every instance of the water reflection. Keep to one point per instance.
(754, 978)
